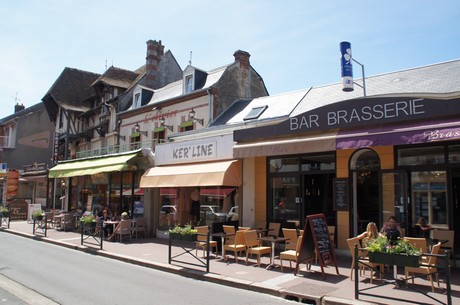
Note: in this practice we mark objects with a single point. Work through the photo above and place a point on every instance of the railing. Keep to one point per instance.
(113, 149)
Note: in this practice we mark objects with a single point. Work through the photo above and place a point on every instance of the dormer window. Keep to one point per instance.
(188, 83)
(137, 100)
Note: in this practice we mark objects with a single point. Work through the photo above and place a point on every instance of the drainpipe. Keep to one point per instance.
(210, 105)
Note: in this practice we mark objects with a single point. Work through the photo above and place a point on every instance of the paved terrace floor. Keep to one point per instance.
(307, 287)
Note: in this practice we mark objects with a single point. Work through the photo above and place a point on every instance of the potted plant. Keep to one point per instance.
(4, 211)
(88, 220)
(398, 252)
(186, 233)
(38, 215)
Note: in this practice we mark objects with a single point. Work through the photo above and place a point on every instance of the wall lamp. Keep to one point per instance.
(119, 136)
(162, 124)
(193, 118)
(137, 128)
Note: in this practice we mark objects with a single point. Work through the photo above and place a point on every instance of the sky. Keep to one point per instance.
(293, 44)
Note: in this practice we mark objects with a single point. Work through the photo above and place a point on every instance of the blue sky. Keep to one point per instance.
(293, 44)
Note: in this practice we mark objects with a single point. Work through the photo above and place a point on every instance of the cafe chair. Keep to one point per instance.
(49, 217)
(253, 246)
(291, 255)
(139, 226)
(274, 229)
(238, 245)
(448, 236)
(201, 240)
(230, 230)
(429, 269)
(418, 242)
(123, 229)
(67, 223)
(291, 235)
(363, 261)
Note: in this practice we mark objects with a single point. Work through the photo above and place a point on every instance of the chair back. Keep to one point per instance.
(229, 230)
(239, 238)
(274, 229)
(445, 235)
(299, 245)
(418, 242)
(351, 242)
(125, 226)
(202, 233)
(291, 235)
(435, 250)
(250, 237)
(140, 222)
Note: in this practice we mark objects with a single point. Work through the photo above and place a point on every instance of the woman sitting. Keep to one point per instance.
(422, 229)
(391, 229)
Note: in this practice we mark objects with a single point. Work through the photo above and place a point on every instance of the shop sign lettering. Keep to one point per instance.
(197, 151)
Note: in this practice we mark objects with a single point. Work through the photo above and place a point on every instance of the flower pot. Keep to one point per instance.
(5, 214)
(395, 259)
(90, 224)
(39, 218)
(183, 237)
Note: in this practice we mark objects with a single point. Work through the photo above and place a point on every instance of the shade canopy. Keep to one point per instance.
(226, 173)
(91, 166)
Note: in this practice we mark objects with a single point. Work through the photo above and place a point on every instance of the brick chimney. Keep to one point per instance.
(18, 107)
(243, 58)
(155, 52)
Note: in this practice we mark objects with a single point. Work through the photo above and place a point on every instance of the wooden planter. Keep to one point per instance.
(395, 259)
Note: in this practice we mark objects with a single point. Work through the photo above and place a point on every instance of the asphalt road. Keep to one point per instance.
(34, 272)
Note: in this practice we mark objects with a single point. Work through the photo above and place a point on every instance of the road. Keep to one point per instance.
(35, 272)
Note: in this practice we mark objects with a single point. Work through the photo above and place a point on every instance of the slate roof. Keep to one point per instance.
(440, 80)
(117, 77)
(72, 90)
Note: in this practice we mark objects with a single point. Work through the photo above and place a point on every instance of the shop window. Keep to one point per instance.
(169, 212)
(285, 198)
(429, 196)
(421, 156)
(280, 165)
(317, 163)
(454, 154)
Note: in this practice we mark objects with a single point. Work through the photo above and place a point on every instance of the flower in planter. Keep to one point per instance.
(38, 214)
(4, 210)
(88, 219)
(400, 246)
(187, 230)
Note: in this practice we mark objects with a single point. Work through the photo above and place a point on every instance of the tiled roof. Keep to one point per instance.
(117, 77)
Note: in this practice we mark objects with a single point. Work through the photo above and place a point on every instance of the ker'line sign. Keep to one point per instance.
(316, 242)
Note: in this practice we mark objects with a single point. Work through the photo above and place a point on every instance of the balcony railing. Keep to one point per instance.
(114, 149)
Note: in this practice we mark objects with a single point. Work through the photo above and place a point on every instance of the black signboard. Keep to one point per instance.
(316, 238)
(18, 209)
(340, 194)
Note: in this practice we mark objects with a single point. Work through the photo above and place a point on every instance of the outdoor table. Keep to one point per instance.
(222, 236)
(113, 223)
(273, 241)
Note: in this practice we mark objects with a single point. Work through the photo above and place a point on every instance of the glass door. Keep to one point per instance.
(395, 201)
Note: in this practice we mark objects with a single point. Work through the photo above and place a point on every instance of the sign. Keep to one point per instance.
(316, 242)
(36, 167)
(346, 67)
(194, 151)
(18, 209)
(3, 169)
(340, 194)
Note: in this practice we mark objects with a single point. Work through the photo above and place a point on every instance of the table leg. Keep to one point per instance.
(222, 239)
(272, 263)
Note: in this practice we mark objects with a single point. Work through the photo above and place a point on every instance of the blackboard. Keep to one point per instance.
(316, 241)
(341, 194)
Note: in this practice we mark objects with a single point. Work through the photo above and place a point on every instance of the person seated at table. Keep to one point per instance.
(371, 233)
(105, 227)
(422, 229)
(124, 216)
(391, 229)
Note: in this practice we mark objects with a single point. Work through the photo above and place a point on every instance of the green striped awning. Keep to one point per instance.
(186, 124)
(91, 166)
(159, 129)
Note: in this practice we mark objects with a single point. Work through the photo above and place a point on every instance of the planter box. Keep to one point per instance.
(395, 259)
(89, 224)
(183, 237)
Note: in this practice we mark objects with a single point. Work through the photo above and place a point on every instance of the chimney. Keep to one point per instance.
(243, 58)
(155, 52)
(18, 107)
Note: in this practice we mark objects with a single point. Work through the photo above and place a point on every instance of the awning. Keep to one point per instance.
(218, 192)
(399, 134)
(35, 178)
(226, 173)
(91, 166)
(166, 191)
(308, 144)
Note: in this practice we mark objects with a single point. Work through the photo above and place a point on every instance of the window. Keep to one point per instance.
(429, 196)
(284, 165)
(421, 155)
(137, 100)
(188, 83)
(255, 113)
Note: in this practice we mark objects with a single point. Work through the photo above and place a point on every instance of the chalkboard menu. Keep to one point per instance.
(316, 243)
(340, 194)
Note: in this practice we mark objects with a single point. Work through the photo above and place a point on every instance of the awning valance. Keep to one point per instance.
(227, 173)
(217, 192)
(91, 166)
(312, 143)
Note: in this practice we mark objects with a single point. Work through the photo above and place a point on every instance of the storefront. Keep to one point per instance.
(358, 160)
(197, 182)
(108, 181)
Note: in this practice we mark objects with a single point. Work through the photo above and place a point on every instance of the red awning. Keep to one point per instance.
(166, 191)
(220, 192)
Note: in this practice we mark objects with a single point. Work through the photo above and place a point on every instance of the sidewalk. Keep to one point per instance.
(307, 287)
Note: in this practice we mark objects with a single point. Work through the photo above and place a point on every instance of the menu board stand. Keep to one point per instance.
(316, 242)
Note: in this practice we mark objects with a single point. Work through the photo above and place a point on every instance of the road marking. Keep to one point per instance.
(27, 295)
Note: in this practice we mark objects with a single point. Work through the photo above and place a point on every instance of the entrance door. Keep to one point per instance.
(456, 208)
(317, 196)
